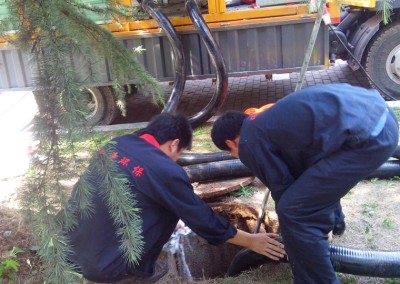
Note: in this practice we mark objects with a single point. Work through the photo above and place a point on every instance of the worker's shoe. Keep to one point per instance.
(339, 228)
(161, 268)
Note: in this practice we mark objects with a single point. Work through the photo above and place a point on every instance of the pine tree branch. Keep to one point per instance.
(386, 9)
(56, 32)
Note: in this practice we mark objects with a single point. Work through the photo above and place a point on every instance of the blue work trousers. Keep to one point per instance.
(306, 210)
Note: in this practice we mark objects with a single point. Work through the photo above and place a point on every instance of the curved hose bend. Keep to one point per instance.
(221, 90)
(177, 48)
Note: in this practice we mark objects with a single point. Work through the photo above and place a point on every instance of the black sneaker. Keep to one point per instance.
(161, 268)
(339, 229)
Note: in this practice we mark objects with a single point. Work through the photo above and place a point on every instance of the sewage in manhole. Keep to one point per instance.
(194, 258)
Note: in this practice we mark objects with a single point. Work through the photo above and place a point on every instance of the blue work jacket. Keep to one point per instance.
(163, 194)
(279, 144)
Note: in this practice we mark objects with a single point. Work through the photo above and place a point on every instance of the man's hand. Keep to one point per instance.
(266, 244)
(262, 243)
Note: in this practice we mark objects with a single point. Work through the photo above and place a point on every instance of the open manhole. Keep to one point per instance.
(196, 259)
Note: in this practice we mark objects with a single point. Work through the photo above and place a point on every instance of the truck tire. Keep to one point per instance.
(111, 109)
(102, 105)
(96, 105)
(382, 60)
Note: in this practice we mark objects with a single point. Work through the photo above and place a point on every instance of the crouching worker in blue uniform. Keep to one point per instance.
(164, 195)
(310, 149)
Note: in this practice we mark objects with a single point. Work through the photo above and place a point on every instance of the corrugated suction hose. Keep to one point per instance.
(187, 159)
(373, 263)
(234, 168)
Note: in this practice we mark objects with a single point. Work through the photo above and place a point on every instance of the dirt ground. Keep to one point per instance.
(371, 209)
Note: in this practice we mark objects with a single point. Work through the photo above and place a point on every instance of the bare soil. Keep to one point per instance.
(372, 216)
(373, 222)
(371, 209)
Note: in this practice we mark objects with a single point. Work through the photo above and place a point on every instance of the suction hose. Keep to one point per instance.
(388, 169)
(217, 170)
(199, 158)
(373, 263)
(177, 48)
(221, 90)
(187, 159)
(234, 168)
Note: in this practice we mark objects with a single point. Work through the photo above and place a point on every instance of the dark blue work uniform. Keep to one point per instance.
(164, 195)
(310, 149)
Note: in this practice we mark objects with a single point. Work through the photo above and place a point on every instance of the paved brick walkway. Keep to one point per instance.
(243, 92)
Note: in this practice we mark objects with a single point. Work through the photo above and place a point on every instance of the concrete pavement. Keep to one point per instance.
(243, 92)
(17, 108)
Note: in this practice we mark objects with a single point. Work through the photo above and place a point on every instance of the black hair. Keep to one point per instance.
(227, 127)
(165, 127)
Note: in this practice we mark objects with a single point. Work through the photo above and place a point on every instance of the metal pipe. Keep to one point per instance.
(221, 90)
(311, 43)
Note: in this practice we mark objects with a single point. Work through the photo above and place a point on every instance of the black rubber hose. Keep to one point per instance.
(177, 48)
(217, 170)
(348, 20)
(199, 158)
(187, 159)
(387, 170)
(221, 89)
(235, 168)
(373, 263)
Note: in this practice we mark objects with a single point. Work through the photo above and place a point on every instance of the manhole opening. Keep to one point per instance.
(199, 260)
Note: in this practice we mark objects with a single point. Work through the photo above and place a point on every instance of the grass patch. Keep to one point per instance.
(202, 142)
(244, 191)
(389, 223)
(392, 281)
(396, 111)
(346, 278)
(369, 209)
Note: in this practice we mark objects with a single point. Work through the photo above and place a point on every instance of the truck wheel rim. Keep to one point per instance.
(92, 104)
(393, 64)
